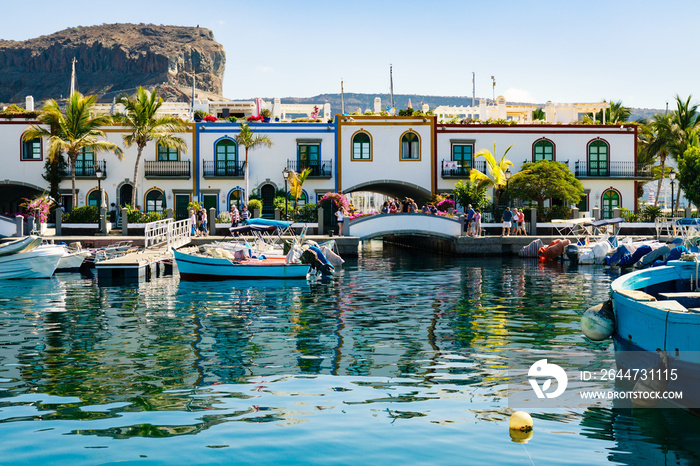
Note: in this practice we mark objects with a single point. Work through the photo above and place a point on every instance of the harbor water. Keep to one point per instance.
(400, 359)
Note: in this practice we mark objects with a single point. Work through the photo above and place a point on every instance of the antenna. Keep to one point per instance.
(391, 83)
(342, 98)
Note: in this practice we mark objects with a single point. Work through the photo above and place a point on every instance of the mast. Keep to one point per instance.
(193, 84)
(342, 98)
(391, 84)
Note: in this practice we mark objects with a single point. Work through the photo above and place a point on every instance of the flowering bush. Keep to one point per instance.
(39, 207)
(314, 114)
(256, 118)
(445, 204)
(210, 118)
(338, 200)
(361, 215)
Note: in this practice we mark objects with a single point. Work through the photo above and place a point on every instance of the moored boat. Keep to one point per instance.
(196, 266)
(25, 244)
(38, 263)
(655, 323)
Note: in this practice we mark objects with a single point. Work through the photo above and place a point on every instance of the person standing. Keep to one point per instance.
(245, 215)
(477, 223)
(235, 216)
(506, 218)
(205, 225)
(340, 215)
(470, 219)
(193, 223)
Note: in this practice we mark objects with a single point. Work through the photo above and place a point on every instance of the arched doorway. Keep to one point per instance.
(125, 194)
(267, 193)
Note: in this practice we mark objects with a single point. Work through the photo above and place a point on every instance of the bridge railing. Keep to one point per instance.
(409, 223)
(173, 234)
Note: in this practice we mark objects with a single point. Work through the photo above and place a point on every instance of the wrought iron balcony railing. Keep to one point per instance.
(322, 169)
(224, 168)
(86, 168)
(587, 169)
(460, 169)
(167, 169)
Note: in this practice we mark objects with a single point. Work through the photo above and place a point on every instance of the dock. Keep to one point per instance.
(136, 266)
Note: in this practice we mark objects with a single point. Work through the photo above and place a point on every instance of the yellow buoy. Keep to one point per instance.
(520, 420)
(520, 436)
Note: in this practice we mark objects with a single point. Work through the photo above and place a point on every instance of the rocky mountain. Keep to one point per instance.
(111, 59)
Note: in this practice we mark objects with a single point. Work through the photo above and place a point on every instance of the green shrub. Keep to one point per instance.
(254, 204)
(83, 214)
(151, 217)
(650, 212)
(307, 213)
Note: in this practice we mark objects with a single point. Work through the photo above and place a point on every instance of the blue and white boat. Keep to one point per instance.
(654, 320)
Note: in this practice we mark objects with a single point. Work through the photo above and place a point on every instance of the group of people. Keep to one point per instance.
(473, 223)
(239, 217)
(407, 206)
(513, 222)
(198, 222)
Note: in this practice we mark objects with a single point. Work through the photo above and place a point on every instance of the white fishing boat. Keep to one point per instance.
(193, 265)
(654, 320)
(38, 263)
(72, 260)
(27, 243)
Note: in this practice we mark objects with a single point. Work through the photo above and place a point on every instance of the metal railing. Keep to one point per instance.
(322, 169)
(587, 169)
(173, 234)
(86, 168)
(167, 168)
(224, 168)
(462, 169)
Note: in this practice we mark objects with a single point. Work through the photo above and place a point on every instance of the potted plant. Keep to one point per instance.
(266, 114)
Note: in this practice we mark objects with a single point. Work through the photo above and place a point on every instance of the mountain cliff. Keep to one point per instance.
(111, 59)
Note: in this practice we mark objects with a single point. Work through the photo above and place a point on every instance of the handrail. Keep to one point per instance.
(174, 234)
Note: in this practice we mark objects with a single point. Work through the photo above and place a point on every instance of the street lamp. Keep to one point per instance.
(285, 173)
(672, 177)
(103, 224)
(508, 175)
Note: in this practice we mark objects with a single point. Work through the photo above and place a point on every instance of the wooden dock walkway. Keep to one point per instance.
(136, 266)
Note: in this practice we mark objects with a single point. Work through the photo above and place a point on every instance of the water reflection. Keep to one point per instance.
(396, 337)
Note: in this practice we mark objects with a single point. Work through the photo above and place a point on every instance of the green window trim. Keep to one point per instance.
(308, 155)
(543, 150)
(464, 154)
(226, 151)
(361, 146)
(155, 201)
(611, 200)
(167, 153)
(31, 150)
(598, 158)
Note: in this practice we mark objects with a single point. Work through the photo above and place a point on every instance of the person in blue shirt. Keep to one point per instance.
(507, 217)
(470, 219)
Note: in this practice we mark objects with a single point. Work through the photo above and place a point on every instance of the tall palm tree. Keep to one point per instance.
(248, 139)
(144, 126)
(656, 141)
(615, 114)
(685, 119)
(496, 172)
(72, 131)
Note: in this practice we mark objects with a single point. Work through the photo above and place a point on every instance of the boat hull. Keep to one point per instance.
(194, 267)
(39, 263)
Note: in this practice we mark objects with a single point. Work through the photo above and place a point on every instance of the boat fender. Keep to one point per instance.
(651, 385)
(598, 322)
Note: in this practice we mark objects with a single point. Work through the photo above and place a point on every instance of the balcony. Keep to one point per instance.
(462, 169)
(630, 170)
(86, 169)
(167, 169)
(223, 169)
(322, 169)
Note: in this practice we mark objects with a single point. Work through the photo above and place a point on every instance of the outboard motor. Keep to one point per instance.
(572, 253)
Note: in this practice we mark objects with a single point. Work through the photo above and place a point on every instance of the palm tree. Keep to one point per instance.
(656, 140)
(496, 176)
(615, 114)
(144, 126)
(248, 139)
(685, 119)
(296, 183)
(72, 131)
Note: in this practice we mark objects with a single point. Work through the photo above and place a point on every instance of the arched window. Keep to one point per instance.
(410, 146)
(303, 199)
(543, 150)
(94, 198)
(31, 150)
(361, 146)
(155, 201)
(235, 197)
(598, 158)
(611, 199)
(167, 154)
(226, 158)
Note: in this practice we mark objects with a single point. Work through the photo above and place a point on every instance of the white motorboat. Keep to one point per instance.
(38, 263)
(72, 259)
(24, 244)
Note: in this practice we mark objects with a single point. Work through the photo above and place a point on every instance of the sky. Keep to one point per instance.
(642, 53)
